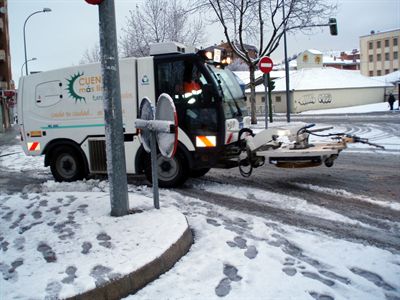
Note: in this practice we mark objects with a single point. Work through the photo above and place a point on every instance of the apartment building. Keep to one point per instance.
(6, 83)
(380, 53)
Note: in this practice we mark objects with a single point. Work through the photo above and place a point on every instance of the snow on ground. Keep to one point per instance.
(235, 255)
(277, 200)
(375, 107)
(343, 193)
(71, 238)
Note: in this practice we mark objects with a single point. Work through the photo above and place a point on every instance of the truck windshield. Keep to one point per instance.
(233, 98)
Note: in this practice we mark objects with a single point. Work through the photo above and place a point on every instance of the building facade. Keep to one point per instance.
(343, 61)
(227, 50)
(322, 88)
(6, 84)
(379, 53)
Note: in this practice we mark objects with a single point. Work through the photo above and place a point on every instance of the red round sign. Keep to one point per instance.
(94, 2)
(265, 64)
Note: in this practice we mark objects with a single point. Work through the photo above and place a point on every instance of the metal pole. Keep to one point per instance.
(286, 65)
(26, 20)
(154, 169)
(266, 99)
(32, 59)
(269, 99)
(116, 166)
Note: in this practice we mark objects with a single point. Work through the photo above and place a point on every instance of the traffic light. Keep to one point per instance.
(271, 85)
(333, 26)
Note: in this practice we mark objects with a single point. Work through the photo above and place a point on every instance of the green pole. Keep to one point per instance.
(269, 99)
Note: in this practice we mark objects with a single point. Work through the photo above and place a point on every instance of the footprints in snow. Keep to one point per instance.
(63, 228)
(224, 286)
(237, 226)
(251, 251)
(231, 272)
(102, 274)
(70, 271)
(374, 278)
(9, 272)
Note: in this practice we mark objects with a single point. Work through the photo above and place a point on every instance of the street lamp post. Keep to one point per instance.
(36, 12)
(26, 62)
(286, 66)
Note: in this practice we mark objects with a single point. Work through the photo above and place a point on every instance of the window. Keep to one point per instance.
(262, 99)
(387, 56)
(395, 55)
(195, 111)
(378, 44)
(386, 43)
(278, 99)
(394, 41)
(371, 73)
(370, 46)
(387, 71)
(371, 58)
(379, 57)
(379, 73)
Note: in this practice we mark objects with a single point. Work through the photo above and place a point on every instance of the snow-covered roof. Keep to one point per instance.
(245, 75)
(313, 51)
(327, 59)
(391, 77)
(325, 78)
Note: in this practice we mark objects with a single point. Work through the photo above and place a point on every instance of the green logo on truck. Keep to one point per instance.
(70, 87)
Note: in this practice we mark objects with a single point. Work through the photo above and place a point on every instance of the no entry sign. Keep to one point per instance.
(265, 64)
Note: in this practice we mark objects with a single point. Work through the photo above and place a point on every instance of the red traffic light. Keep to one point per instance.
(94, 2)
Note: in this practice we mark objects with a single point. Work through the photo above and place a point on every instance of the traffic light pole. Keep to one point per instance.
(116, 166)
(270, 98)
(286, 65)
(266, 99)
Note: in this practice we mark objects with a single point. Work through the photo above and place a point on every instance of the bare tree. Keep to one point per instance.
(91, 55)
(160, 21)
(262, 22)
(238, 65)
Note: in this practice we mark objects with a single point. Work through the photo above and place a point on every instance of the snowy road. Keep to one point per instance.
(319, 233)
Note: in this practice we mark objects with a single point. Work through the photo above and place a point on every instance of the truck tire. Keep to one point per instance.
(172, 172)
(196, 173)
(67, 164)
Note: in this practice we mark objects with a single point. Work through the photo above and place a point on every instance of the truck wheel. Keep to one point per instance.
(67, 164)
(196, 173)
(172, 172)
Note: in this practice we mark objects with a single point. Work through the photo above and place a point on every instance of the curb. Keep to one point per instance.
(131, 283)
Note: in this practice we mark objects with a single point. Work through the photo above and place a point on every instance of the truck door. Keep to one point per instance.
(199, 115)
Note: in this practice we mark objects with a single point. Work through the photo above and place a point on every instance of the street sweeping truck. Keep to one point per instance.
(61, 116)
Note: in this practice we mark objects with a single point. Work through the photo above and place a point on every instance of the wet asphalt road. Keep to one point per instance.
(375, 175)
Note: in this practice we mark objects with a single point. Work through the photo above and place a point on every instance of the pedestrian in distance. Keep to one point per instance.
(391, 101)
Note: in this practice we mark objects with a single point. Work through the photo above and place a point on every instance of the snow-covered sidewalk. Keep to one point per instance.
(60, 244)
(58, 240)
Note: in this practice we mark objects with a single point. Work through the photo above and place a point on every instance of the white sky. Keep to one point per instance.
(59, 38)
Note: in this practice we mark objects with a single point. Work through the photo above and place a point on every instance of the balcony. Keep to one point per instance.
(2, 55)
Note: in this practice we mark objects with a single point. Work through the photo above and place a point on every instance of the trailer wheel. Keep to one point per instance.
(172, 172)
(196, 173)
(67, 164)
